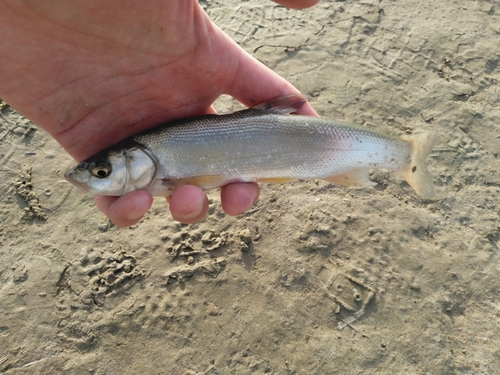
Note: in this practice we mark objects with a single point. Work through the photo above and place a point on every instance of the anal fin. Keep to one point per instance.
(355, 177)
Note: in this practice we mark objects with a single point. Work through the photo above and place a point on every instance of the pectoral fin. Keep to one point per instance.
(355, 177)
(213, 181)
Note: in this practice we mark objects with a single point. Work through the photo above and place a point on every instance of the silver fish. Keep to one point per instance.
(264, 144)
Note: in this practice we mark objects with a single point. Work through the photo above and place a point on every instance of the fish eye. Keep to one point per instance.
(100, 169)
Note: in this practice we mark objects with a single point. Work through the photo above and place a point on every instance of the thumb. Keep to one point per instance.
(254, 83)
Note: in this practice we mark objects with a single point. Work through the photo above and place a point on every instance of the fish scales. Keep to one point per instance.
(248, 147)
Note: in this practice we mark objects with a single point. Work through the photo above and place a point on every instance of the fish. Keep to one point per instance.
(266, 143)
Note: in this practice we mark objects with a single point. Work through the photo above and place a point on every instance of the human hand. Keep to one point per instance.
(92, 73)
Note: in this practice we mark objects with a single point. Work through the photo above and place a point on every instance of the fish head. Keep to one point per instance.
(114, 172)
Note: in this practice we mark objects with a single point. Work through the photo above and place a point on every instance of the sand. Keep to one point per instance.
(317, 278)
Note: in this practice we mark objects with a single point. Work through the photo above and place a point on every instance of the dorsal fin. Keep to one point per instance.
(284, 104)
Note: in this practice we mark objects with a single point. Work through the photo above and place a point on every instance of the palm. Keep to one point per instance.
(97, 72)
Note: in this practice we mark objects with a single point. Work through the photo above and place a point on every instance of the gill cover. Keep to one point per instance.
(141, 168)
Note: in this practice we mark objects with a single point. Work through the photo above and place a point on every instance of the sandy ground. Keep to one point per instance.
(317, 278)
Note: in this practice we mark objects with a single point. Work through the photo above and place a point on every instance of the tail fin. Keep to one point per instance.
(416, 173)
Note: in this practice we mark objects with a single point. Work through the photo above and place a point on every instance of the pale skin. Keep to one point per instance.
(94, 72)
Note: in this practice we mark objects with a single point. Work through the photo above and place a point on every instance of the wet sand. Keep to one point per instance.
(317, 278)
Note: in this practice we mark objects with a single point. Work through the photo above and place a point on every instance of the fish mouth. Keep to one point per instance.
(71, 177)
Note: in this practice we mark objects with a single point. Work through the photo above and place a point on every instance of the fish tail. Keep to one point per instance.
(416, 173)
